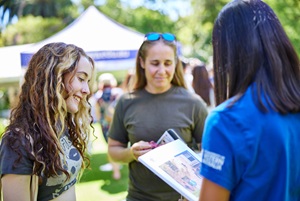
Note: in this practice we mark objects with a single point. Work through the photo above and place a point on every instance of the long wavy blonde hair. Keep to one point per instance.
(41, 113)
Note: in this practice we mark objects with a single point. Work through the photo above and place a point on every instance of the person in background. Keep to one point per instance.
(188, 77)
(202, 85)
(251, 141)
(50, 126)
(106, 97)
(159, 101)
(128, 81)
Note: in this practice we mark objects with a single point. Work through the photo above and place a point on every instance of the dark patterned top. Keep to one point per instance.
(51, 187)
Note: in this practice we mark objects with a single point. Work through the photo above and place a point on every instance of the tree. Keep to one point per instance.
(195, 29)
(43, 8)
(41, 18)
(289, 15)
(12, 7)
(140, 19)
(31, 29)
(205, 13)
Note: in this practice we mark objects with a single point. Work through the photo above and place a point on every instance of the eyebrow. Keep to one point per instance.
(84, 73)
(159, 60)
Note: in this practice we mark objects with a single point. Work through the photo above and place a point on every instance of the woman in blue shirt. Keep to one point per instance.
(251, 141)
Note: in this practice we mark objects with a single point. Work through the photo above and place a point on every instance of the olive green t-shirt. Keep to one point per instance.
(143, 116)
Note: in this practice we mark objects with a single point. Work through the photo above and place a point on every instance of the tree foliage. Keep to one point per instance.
(140, 19)
(193, 30)
(288, 12)
(43, 8)
(31, 29)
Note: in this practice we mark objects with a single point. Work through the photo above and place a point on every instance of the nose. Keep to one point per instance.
(161, 68)
(85, 88)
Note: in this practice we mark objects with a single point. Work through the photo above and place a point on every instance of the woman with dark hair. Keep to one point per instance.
(251, 142)
(49, 128)
(201, 83)
(159, 101)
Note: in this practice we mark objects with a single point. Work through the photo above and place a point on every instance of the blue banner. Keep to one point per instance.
(96, 55)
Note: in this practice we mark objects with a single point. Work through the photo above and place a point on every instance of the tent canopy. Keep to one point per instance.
(112, 45)
(10, 65)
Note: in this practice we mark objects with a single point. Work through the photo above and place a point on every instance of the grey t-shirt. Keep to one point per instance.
(144, 116)
(51, 187)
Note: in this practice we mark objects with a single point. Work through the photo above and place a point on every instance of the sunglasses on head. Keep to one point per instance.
(153, 36)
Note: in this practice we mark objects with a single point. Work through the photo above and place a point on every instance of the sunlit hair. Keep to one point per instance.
(140, 77)
(41, 113)
(251, 46)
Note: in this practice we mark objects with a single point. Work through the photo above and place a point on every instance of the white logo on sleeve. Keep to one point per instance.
(213, 160)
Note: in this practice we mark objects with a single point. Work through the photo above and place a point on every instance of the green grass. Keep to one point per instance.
(96, 185)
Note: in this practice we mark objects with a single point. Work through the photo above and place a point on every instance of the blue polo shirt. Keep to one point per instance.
(255, 155)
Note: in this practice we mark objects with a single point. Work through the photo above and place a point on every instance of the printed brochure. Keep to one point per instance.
(177, 165)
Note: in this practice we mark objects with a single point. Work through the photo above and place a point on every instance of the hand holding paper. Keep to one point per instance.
(177, 165)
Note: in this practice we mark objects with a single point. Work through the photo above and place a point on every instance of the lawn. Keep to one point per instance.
(96, 185)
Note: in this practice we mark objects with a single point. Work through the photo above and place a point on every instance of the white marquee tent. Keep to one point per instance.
(112, 45)
(10, 64)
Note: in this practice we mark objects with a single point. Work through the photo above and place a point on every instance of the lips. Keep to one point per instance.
(160, 78)
(77, 98)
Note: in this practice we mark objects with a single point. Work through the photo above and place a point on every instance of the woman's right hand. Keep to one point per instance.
(120, 152)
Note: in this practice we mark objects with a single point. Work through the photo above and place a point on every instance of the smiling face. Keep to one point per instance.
(77, 86)
(159, 67)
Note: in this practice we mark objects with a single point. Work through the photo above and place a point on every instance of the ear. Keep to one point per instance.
(142, 63)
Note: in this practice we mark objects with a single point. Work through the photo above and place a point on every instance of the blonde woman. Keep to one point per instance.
(49, 127)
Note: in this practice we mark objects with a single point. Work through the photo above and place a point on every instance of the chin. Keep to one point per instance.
(72, 110)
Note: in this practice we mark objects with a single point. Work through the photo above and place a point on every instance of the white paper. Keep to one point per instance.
(178, 166)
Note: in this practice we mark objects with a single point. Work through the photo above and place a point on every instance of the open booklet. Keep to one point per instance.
(177, 165)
